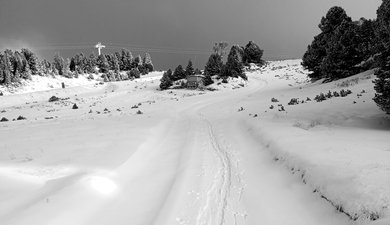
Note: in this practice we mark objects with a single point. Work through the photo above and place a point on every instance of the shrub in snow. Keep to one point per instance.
(111, 76)
(54, 99)
(3, 119)
(336, 94)
(293, 101)
(308, 99)
(271, 107)
(75, 106)
(21, 118)
(319, 98)
(344, 93)
(105, 78)
(139, 112)
(329, 95)
(274, 100)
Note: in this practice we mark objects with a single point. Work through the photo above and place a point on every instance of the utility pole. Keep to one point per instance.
(99, 46)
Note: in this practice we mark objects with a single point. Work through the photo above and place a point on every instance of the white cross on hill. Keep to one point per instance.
(99, 46)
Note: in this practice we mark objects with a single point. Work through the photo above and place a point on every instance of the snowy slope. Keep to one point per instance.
(194, 157)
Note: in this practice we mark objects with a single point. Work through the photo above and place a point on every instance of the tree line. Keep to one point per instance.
(17, 65)
(344, 48)
(237, 59)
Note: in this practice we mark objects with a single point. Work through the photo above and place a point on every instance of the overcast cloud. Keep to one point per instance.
(173, 30)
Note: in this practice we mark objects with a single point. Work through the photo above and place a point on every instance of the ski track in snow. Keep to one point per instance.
(219, 200)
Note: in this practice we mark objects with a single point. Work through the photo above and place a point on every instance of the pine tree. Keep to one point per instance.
(197, 71)
(368, 43)
(220, 48)
(79, 63)
(179, 73)
(166, 80)
(126, 60)
(253, 54)
(147, 62)
(11, 60)
(189, 69)
(59, 64)
(32, 60)
(382, 83)
(22, 65)
(234, 66)
(72, 65)
(342, 53)
(334, 17)
(207, 80)
(66, 72)
(91, 65)
(2, 68)
(7, 74)
(323, 43)
(213, 65)
(135, 73)
(102, 63)
(110, 61)
(382, 88)
(138, 61)
(116, 66)
(314, 56)
(18, 63)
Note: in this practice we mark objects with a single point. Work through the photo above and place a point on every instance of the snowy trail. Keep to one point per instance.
(214, 212)
(195, 164)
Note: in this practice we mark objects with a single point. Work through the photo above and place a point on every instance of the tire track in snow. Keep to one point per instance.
(214, 210)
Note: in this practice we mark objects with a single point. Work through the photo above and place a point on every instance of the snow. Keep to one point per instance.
(193, 157)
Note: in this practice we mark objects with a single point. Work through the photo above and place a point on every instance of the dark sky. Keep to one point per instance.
(173, 31)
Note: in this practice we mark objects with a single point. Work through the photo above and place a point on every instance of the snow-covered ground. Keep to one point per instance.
(196, 157)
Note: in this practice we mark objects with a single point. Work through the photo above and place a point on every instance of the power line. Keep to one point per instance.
(117, 46)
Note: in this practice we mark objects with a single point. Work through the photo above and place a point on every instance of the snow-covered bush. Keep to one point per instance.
(293, 101)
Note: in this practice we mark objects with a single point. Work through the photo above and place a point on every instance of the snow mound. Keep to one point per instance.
(340, 147)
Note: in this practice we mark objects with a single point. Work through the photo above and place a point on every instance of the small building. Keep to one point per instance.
(195, 81)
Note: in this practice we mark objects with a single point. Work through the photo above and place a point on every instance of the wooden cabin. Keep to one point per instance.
(195, 81)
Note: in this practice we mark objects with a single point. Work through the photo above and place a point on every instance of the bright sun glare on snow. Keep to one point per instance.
(103, 185)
